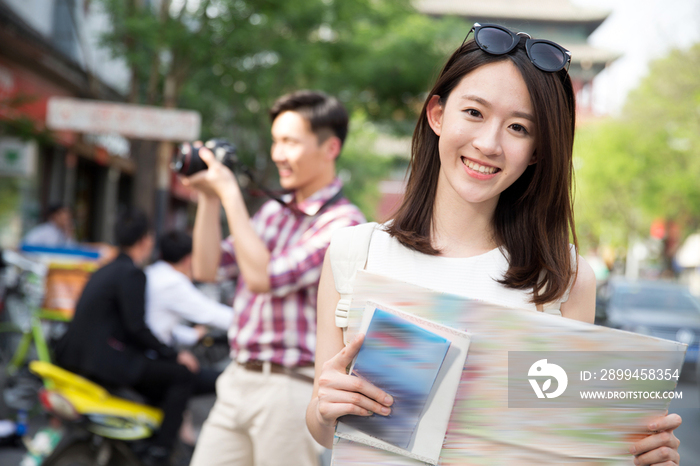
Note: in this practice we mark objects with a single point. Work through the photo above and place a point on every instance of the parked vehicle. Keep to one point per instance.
(99, 428)
(657, 308)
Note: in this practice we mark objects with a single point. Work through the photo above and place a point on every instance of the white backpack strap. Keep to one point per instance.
(348, 250)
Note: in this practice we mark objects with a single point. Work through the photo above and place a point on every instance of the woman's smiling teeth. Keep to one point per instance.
(480, 168)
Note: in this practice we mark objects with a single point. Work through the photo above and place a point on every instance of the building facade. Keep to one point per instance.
(50, 48)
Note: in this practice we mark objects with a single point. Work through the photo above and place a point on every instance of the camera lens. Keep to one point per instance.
(186, 160)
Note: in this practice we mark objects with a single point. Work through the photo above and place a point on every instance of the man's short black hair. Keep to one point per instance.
(175, 246)
(132, 225)
(325, 113)
(53, 209)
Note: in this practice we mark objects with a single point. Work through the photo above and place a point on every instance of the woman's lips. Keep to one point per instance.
(479, 171)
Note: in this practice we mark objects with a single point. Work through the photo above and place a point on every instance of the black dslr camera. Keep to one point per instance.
(186, 160)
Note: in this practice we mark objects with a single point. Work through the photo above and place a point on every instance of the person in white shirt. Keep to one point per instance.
(172, 300)
(57, 231)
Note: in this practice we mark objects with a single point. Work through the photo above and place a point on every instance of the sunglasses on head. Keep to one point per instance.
(497, 40)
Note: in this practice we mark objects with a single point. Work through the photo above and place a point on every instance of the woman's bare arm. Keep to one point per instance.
(335, 393)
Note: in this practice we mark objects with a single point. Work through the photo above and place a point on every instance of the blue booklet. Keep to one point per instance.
(403, 359)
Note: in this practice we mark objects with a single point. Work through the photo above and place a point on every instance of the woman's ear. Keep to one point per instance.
(533, 159)
(434, 112)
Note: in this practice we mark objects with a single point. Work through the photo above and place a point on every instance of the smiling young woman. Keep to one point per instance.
(487, 213)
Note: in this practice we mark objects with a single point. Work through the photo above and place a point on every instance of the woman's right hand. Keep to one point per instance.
(340, 394)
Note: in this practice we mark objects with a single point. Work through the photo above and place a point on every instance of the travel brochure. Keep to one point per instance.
(419, 363)
(402, 359)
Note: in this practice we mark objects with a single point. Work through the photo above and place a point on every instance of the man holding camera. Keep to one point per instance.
(259, 415)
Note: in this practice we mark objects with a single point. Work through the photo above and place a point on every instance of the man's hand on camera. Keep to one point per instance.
(217, 180)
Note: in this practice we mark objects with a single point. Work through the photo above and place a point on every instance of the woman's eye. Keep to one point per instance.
(473, 112)
(519, 128)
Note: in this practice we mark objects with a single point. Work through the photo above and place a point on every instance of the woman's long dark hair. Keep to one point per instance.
(534, 218)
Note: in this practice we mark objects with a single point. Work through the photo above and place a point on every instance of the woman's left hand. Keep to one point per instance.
(661, 447)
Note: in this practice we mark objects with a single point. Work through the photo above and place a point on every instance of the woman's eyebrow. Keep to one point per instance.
(487, 104)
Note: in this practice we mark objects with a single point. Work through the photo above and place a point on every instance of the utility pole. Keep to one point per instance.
(165, 148)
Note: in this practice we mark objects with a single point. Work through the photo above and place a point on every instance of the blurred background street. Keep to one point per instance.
(96, 95)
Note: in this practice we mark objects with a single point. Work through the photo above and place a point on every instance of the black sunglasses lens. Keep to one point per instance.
(495, 41)
(547, 57)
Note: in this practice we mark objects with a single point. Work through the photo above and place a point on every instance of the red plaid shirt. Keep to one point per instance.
(280, 326)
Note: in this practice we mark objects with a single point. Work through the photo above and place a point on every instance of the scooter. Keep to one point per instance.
(99, 428)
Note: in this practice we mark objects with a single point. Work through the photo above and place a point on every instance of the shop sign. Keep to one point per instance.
(113, 143)
(17, 157)
(133, 121)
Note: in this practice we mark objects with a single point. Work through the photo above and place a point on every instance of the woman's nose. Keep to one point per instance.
(487, 140)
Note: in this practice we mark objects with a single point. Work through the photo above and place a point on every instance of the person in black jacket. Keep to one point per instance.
(109, 342)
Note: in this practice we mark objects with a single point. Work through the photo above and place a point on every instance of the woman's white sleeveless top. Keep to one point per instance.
(472, 277)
